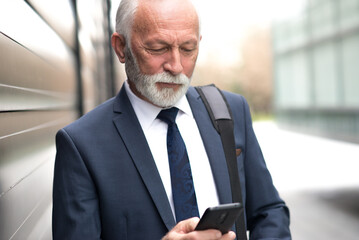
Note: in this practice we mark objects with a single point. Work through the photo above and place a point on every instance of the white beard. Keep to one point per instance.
(146, 84)
(166, 97)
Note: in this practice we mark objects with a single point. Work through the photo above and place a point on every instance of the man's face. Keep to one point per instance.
(164, 42)
(145, 86)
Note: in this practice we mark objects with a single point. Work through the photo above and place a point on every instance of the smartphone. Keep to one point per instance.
(221, 217)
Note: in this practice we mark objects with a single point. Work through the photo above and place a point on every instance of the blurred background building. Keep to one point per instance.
(316, 69)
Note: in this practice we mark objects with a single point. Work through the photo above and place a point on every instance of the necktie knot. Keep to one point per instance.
(168, 115)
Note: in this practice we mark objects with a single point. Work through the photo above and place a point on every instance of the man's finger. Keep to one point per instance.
(187, 225)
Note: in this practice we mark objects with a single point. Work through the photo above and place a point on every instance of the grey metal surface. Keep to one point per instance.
(60, 16)
(24, 205)
(95, 53)
(24, 138)
(37, 97)
(26, 64)
(50, 69)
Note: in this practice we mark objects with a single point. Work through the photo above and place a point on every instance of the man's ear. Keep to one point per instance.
(118, 43)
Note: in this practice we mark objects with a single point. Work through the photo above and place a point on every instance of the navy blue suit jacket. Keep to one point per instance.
(107, 186)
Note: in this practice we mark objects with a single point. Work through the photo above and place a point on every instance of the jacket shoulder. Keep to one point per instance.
(99, 115)
(234, 97)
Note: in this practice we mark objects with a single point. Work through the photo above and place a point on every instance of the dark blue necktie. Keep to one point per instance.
(184, 196)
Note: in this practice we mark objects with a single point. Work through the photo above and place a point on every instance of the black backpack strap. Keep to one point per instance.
(221, 116)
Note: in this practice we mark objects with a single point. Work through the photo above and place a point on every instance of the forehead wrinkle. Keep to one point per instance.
(177, 20)
(151, 18)
(169, 37)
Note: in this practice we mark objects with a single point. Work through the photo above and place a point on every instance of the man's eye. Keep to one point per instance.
(187, 50)
(157, 50)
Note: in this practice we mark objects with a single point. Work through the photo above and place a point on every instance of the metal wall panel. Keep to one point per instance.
(20, 23)
(26, 64)
(33, 198)
(38, 84)
(26, 134)
(55, 61)
(95, 52)
(60, 16)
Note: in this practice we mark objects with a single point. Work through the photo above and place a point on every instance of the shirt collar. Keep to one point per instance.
(147, 112)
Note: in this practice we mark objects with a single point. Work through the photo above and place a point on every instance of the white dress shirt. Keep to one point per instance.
(155, 132)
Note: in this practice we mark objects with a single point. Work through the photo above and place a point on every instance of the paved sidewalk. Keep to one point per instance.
(319, 180)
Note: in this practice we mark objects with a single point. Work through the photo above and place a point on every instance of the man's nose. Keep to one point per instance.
(173, 63)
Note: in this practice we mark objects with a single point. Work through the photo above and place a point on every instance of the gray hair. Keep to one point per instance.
(124, 18)
(126, 13)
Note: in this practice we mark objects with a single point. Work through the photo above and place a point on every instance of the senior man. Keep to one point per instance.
(114, 175)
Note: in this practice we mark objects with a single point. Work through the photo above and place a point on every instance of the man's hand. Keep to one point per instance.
(184, 230)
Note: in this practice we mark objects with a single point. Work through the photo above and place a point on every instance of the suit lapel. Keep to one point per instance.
(213, 146)
(133, 137)
(130, 131)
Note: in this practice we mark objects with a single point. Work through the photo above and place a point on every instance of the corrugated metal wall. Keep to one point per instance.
(37, 97)
(54, 64)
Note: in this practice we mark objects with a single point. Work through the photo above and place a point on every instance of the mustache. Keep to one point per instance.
(166, 77)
